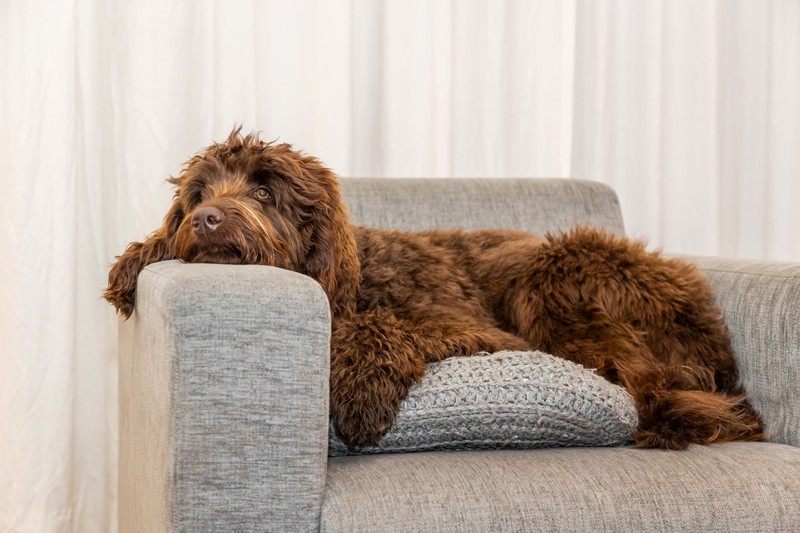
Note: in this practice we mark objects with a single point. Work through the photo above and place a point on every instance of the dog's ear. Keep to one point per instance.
(332, 258)
(159, 246)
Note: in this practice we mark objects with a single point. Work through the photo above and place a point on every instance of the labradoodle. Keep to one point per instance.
(400, 300)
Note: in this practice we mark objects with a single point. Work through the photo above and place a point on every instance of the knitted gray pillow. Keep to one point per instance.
(506, 400)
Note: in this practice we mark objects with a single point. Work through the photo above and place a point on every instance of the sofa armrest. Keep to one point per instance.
(761, 304)
(223, 400)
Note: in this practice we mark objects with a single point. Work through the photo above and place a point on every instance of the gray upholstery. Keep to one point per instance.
(761, 303)
(224, 403)
(734, 487)
(224, 391)
(538, 206)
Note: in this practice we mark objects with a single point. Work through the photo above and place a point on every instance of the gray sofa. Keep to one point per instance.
(224, 402)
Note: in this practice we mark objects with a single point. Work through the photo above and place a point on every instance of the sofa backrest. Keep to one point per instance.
(535, 205)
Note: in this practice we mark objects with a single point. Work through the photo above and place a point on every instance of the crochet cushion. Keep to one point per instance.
(506, 400)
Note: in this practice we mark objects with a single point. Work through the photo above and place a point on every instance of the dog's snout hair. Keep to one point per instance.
(236, 231)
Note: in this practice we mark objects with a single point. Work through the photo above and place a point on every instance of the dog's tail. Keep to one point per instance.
(676, 418)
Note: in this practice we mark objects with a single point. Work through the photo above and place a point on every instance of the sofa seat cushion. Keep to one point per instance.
(729, 487)
(508, 399)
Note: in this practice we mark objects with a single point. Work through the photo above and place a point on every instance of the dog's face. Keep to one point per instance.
(249, 202)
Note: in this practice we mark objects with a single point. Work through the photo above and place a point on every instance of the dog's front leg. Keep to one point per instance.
(375, 358)
(123, 275)
(159, 246)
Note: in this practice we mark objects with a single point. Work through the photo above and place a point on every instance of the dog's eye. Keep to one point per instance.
(262, 193)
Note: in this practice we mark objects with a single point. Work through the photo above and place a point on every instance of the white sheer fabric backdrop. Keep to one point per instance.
(689, 109)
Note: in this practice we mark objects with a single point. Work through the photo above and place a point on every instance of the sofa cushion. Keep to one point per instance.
(534, 205)
(506, 400)
(729, 487)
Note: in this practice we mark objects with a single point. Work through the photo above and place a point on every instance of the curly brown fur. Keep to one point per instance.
(400, 300)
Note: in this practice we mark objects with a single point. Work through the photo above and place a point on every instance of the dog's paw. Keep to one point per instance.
(122, 279)
(674, 419)
(124, 306)
(121, 291)
(123, 301)
(362, 424)
(660, 438)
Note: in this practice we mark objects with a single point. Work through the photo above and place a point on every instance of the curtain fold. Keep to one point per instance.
(689, 109)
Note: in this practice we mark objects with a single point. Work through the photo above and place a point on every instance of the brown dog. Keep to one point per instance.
(400, 300)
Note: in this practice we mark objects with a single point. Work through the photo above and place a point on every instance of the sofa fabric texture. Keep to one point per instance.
(416, 205)
(224, 402)
(215, 400)
(761, 304)
(514, 400)
(737, 487)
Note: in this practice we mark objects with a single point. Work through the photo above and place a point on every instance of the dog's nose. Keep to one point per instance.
(207, 218)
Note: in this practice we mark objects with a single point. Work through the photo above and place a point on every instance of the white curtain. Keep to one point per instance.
(689, 109)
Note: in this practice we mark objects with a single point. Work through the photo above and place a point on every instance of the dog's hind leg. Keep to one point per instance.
(676, 407)
(644, 322)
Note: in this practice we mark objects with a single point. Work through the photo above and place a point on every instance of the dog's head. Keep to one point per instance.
(246, 201)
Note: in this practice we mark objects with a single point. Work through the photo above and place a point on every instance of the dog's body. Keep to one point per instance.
(400, 300)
